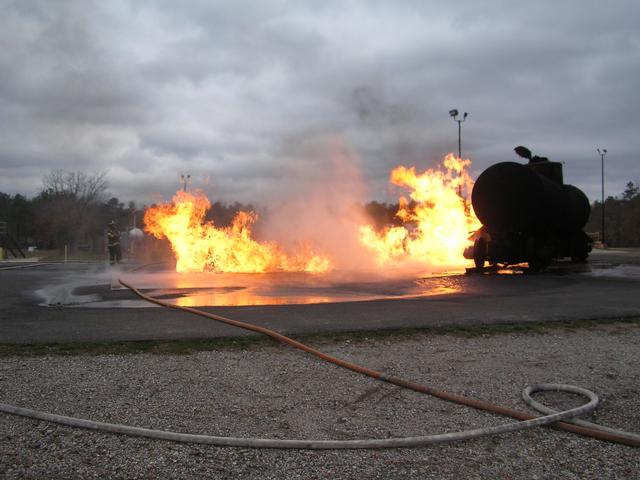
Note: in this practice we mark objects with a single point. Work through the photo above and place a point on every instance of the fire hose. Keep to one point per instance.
(527, 420)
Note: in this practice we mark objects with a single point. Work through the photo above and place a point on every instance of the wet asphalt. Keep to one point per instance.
(607, 287)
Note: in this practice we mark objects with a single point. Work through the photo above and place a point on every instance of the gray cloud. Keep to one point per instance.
(226, 91)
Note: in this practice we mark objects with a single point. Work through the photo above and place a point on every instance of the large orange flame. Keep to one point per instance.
(436, 223)
(201, 246)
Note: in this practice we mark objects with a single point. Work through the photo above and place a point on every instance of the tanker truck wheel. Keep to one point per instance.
(537, 256)
(479, 252)
(580, 247)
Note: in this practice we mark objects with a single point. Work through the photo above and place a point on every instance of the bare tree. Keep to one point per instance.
(85, 188)
(70, 205)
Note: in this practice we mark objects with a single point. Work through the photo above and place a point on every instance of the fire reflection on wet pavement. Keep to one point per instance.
(100, 288)
(228, 289)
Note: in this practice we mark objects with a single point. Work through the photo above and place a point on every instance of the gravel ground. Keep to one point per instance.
(274, 391)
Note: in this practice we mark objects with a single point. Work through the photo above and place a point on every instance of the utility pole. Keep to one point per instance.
(184, 179)
(602, 154)
(454, 115)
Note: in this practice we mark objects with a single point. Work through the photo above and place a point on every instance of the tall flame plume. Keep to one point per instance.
(200, 246)
(436, 221)
(434, 227)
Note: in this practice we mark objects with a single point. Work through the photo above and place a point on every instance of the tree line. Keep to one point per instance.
(70, 210)
(621, 216)
(73, 208)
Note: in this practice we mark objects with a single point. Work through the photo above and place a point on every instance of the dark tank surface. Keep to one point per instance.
(528, 214)
(578, 207)
(512, 197)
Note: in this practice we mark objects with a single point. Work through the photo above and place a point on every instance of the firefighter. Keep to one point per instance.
(113, 243)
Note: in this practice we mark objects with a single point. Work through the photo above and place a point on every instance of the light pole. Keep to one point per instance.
(454, 115)
(184, 179)
(602, 154)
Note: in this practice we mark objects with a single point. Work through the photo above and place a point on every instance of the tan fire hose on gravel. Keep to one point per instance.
(527, 420)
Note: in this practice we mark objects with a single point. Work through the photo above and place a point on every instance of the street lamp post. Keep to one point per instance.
(184, 179)
(602, 154)
(454, 115)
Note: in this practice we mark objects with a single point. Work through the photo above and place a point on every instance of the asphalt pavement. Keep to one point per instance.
(606, 287)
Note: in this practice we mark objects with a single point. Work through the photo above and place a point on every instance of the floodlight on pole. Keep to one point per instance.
(184, 179)
(602, 153)
(454, 114)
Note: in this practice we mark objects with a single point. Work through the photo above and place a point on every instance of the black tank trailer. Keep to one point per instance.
(528, 215)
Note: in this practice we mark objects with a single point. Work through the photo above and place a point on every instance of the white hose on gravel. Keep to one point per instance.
(316, 444)
(550, 387)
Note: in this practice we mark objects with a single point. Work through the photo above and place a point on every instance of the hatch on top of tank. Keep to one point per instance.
(542, 165)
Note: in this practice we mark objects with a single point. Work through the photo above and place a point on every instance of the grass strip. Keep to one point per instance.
(189, 346)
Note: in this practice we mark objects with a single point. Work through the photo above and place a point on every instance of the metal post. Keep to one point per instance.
(454, 115)
(459, 138)
(185, 179)
(602, 154)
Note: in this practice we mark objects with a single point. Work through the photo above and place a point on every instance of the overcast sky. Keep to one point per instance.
(240, 94)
